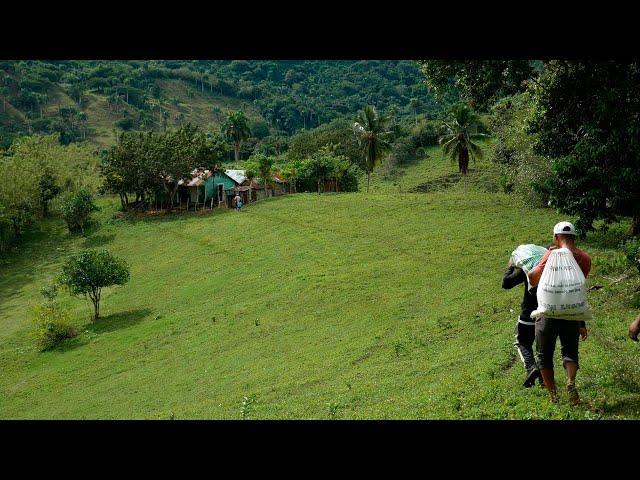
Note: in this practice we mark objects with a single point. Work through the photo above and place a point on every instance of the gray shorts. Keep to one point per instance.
(547, 332)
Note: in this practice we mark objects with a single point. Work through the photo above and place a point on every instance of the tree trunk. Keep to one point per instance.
(95, 299)
(16, 228)
(368, 179)
(463, 161)
(236, 150)
(635, 225)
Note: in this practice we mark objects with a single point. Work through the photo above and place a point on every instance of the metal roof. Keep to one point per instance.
(237, 176)
(198, 177)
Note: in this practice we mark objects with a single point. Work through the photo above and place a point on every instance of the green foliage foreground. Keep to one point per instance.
(305, 306)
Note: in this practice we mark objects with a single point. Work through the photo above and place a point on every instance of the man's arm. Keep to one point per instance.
(512, 276)
(536, 272)
(534, 276)
(634, 329)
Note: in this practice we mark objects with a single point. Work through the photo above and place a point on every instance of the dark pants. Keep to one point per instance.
(547, 332)
(525, 336)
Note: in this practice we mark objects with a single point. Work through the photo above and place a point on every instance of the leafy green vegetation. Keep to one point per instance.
(76, 210)
(88, 272)
(96, 100)
(35, 172)
(52, 323)
(586, 118)
(459, 139)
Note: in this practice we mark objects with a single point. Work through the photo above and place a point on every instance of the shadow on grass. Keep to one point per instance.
(71, 344)
(627, 407)
(98, 240)
(165, 216)
(42, 246)
(439, 183)
(117, 321)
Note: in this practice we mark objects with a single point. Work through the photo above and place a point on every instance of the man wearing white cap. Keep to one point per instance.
(549, 329)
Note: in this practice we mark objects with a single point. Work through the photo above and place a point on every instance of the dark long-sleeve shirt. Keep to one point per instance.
(515, 276)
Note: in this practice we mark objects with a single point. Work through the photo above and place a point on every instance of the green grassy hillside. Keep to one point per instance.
(353, 306)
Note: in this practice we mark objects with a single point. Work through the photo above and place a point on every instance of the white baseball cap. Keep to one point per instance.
(564, 228)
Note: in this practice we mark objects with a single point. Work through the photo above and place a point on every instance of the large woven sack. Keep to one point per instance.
(562, 290)
(527, 256)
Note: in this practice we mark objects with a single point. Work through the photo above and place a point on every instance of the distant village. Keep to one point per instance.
(206, 189)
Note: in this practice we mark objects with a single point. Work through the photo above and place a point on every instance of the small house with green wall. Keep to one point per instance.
(219, 187)
(207, 189)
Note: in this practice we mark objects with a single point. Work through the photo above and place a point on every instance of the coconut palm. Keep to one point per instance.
(458, 140)
(236, 129)
(371, 130)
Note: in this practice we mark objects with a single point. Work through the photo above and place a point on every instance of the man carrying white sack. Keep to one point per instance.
(548, 328)
(523, 259)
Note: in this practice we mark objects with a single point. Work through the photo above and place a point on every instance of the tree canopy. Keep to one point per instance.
(480, 82)
(586, 119)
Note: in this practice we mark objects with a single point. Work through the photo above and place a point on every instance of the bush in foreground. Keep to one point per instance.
(51, 321)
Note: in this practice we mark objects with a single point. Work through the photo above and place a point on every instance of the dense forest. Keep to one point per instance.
(94, 100)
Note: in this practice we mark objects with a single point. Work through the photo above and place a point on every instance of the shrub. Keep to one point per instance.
(125, 124)
(51, 321)
(76, 210)
(632, 251)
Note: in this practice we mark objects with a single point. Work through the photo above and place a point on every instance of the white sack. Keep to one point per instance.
(527, 256)
(562, 290)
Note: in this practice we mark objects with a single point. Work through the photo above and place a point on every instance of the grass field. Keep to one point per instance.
(349, 306)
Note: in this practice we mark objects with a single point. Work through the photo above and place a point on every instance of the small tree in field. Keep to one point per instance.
(90, 271)
(76, 210)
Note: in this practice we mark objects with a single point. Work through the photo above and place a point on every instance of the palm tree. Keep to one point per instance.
(458, 139)
(370, 129)
(236, 129)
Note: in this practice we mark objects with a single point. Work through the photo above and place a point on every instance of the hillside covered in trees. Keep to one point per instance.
(95, 100)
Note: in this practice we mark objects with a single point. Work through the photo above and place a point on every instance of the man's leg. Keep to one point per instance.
(524, 338)
(569, 345)
(546, 336)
